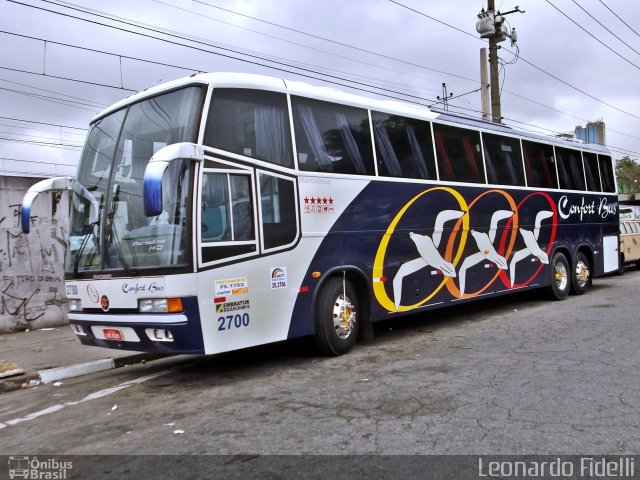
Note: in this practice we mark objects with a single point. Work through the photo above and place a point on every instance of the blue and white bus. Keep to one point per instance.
(223, 211)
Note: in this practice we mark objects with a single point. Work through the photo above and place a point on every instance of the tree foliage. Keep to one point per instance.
(628, 175)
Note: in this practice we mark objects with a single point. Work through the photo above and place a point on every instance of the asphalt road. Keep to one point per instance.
(518, 375)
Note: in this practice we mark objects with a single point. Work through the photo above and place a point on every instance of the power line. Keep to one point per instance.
(59, 131)
(35, 161)
(283, 64)
(604, 26)
(351, 59)
(69, 103)
(43, 144)
(54, 92)
(434, 19)
(619, 18)
(593, 36)
(86, 82)
(42, 123)
(291, 66)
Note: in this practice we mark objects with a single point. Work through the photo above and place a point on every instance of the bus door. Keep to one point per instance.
(245, 216)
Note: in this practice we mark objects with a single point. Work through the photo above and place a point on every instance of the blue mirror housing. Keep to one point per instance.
(152, 188)
(48, 185)
(152, 180)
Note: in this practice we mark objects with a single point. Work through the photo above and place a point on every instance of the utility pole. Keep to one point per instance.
(484, 84)
(491, 25)
(445, 97)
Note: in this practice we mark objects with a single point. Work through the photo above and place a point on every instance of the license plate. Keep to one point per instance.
(112, 334)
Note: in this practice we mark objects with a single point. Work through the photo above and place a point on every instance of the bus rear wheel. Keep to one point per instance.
(337, 320)
(560, 277)
(581, 278)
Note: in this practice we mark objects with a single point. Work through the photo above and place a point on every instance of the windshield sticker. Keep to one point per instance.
(231, 286)
(278, 277)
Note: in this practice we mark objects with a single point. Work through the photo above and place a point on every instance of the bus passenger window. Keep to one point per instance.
(539, 165)
(570, 169)
(403, 147)
(592, 172)
(503, 159)
(459, 155)
(606, 174)
(278, 211)
(253, 123)
(332, 138)
(227, 214)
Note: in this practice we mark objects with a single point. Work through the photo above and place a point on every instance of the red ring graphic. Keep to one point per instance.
(554, 226)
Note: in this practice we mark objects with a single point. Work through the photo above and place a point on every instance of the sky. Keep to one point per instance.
(61, 63)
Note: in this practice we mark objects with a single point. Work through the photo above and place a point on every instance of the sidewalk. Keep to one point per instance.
(54, 353)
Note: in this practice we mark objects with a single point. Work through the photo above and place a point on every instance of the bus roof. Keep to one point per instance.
(264, 82)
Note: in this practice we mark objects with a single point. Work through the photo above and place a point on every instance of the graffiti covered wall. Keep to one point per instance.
(31, 266)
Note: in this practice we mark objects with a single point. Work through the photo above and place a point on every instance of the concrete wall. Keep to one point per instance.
(32, 266)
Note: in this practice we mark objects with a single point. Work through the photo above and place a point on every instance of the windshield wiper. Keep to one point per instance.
(91, 234)
(113, 233)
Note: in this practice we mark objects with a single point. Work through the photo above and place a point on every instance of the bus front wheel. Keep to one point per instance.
(560, 277)
(581, 278)
(337, 320)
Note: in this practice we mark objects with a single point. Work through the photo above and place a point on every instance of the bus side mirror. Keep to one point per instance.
(152, 181)
(48, 185)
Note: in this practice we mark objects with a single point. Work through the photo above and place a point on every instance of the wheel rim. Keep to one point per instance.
(344, 317)
(582, 273)
(560, 275)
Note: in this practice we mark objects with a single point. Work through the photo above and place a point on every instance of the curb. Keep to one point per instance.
(69, 371)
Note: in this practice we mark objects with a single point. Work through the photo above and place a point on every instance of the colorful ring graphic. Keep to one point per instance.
(452, 254)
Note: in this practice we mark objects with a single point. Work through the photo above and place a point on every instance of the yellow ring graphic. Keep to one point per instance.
(378, 265)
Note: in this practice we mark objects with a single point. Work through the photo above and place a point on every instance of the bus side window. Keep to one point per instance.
(253, 123)
(593, 174)
(570, 169)
(278, 211)
(332, 138)
(459, 155)
(227, 214)
(503, 159)
(606, 173)
(539, 160)
(403, 147)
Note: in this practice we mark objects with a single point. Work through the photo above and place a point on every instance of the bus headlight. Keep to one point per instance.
(74, 305)
(160, 305)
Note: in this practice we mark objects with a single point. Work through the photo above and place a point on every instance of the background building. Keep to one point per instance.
(594, 132)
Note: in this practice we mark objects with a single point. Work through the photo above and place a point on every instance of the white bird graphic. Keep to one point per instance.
(429, 255)
(486, 249)
(531, 244)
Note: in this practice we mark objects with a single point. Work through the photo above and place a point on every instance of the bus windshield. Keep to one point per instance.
(108, 228)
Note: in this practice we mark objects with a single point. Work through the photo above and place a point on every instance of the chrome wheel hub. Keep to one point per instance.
(344, 317)
(582, 273)
(560, 275)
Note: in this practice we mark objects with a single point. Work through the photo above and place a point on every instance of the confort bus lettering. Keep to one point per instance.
(460, 243)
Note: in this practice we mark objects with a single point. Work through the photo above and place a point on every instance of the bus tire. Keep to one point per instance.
(337, 320)
(581, 275)
(560, 277)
